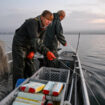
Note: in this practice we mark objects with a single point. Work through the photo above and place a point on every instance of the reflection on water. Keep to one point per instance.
(92, 55)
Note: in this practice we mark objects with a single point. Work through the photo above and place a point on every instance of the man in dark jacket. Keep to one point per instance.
(27, 41)
(54, 33)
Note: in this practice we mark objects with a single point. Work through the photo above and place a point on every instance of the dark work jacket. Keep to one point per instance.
(54, 34)
(30, 35)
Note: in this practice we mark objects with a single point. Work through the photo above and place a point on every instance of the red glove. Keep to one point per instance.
(65, 44)
(50, 56)
(30, 55)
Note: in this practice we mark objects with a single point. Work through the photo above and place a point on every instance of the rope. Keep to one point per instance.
(68, 67)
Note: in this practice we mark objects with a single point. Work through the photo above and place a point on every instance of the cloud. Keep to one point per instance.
(74, 21)
(99, 21)
(81, 15)
(79, 21)
(101, 1)
(15, 17)
(94, 6)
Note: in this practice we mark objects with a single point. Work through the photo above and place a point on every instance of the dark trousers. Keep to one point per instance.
(22, 67)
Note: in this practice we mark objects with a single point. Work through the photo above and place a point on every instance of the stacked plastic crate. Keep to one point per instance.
(47, 87)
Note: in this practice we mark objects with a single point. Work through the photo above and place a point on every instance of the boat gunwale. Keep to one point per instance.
(84, 91)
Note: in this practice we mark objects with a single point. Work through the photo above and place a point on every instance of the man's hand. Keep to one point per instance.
(30, 55)
(50, 56)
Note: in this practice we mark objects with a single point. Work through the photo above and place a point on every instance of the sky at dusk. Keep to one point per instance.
(81, 15)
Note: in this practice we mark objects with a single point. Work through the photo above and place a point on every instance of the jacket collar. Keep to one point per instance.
(38, 18)
(56, 16)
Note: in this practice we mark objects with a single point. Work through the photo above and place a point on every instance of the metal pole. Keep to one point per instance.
(85, 94)
(78, 43)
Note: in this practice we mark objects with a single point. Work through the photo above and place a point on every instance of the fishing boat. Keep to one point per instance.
(68, 72)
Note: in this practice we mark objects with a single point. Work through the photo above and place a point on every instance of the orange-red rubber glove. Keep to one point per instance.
(30, 55)
(50, 56)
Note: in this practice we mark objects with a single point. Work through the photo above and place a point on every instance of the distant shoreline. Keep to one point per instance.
(5, 33)
(82, 33)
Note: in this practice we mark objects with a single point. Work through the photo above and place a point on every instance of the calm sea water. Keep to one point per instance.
(92, 55)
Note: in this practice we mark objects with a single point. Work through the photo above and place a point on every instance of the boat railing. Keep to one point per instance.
(85, 93)
(9, 55)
